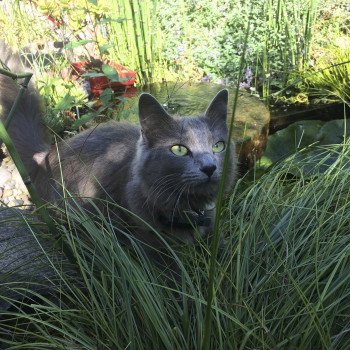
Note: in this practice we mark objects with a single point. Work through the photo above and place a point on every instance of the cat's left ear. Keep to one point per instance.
(217, 109)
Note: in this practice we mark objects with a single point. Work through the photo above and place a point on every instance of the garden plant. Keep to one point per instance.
(275, 274)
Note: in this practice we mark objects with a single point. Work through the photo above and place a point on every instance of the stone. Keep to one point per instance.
(18, 202)
(23, 196)
(22, 187)
(11, 166)
(7, 193)
(17, 177)
(7, 186)
(251, 128)
(5, 176)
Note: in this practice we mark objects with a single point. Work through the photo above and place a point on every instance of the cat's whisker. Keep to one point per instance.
(163, 188)
(177, 189)
(166, 202)
(183, 188)
(156, 199)
(162, 182)
(188, 195)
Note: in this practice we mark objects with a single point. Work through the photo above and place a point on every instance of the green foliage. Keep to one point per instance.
(62, 97)
(126, 31)
(21, 26)
(289, 244)
(68, 107)
(138, 39)
(333, 22)
(78, 22)
(191, 30)
(279, 43)
(182, 40)
(326, 79)
(332, 78)
(281, 280)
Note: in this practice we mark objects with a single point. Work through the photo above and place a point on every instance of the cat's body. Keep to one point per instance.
(167, 174)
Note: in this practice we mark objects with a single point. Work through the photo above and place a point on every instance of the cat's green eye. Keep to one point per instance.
(219, 147)
(179, 150)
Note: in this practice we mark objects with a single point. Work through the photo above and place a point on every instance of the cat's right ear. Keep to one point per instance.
(217, 109)
(153, 117)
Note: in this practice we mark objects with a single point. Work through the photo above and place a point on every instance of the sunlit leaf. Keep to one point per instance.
(83, 120)
(74, 44)
(110, 72)
(106, 96)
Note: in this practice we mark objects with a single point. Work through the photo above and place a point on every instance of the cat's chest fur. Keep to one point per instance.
(166, 172)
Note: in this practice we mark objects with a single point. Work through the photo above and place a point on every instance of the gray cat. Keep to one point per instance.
(165, 171)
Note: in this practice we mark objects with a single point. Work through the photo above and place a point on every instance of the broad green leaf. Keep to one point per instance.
(110, 72)
(106, 47)
(65, 103)
(84, 119)
(111, 20)
(106, 96)
(74, 44)
(92, 75)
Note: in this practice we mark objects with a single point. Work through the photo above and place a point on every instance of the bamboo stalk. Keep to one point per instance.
(147, 33)
(119, 35)
(139, 38)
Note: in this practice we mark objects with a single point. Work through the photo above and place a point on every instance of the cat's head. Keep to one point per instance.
(181, 158)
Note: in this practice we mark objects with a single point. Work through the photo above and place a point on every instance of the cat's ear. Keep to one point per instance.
(152, 115)
(217, 109)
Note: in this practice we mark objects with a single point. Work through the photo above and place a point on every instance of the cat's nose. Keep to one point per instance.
(208, 169)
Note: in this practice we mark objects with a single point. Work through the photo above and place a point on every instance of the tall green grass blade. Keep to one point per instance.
(219, 203)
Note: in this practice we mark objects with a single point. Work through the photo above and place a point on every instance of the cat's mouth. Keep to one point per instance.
(207, 184)
(211, 179)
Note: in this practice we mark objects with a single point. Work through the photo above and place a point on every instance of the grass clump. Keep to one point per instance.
(281, 280)
(292, 249)
(332, 80)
